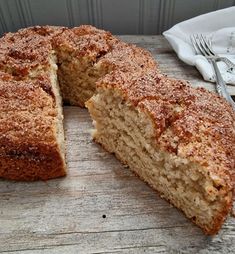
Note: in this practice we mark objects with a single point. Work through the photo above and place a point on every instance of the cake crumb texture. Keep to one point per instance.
(178, 139)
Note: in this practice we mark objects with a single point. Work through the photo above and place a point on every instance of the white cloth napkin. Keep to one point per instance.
(218, 25)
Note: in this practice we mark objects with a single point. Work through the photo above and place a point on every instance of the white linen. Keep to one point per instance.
(218, 25)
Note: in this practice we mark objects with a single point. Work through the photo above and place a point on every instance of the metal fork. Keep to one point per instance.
(229, 63)
(201, 45)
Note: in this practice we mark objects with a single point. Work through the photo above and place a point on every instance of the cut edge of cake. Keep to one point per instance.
(127, 125)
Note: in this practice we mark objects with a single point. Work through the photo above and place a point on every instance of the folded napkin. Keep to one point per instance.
(217, 25)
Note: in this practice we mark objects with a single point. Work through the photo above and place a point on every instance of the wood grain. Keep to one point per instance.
(101, 207)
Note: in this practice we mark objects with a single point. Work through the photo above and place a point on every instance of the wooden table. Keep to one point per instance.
(101, 207)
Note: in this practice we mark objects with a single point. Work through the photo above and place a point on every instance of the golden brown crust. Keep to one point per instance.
(26, 50)
(27, 123)
(218, 221)
(104, 49)
(28, 146)
(32, 167)
(47, 32)
(127, 58)
(201, 123)
(85, 41)
(195, 116)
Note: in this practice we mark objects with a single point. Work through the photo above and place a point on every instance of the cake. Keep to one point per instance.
(31, 133)
(31, 130)
(178, 139)
(86, 54)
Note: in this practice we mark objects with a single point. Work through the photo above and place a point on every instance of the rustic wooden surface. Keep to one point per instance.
(101, 207)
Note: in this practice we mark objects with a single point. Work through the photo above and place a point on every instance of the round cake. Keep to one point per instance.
(178, 139)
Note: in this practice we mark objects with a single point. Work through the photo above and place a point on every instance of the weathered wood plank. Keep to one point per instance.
(67, 215)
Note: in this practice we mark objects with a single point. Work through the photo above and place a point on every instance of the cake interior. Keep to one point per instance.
(77, 77)
(121, 128)
(128, 132)
(59, 103)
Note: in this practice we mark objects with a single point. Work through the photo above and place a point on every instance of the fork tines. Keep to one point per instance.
(202, 45)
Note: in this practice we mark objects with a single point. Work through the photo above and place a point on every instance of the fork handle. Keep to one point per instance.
(229, 63)
(221, 85)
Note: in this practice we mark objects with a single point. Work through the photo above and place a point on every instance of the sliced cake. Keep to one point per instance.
(32, 136)
(176, 138)
(86, 54)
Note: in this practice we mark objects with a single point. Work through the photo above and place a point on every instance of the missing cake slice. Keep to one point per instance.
(86, 54)
(176, 138)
